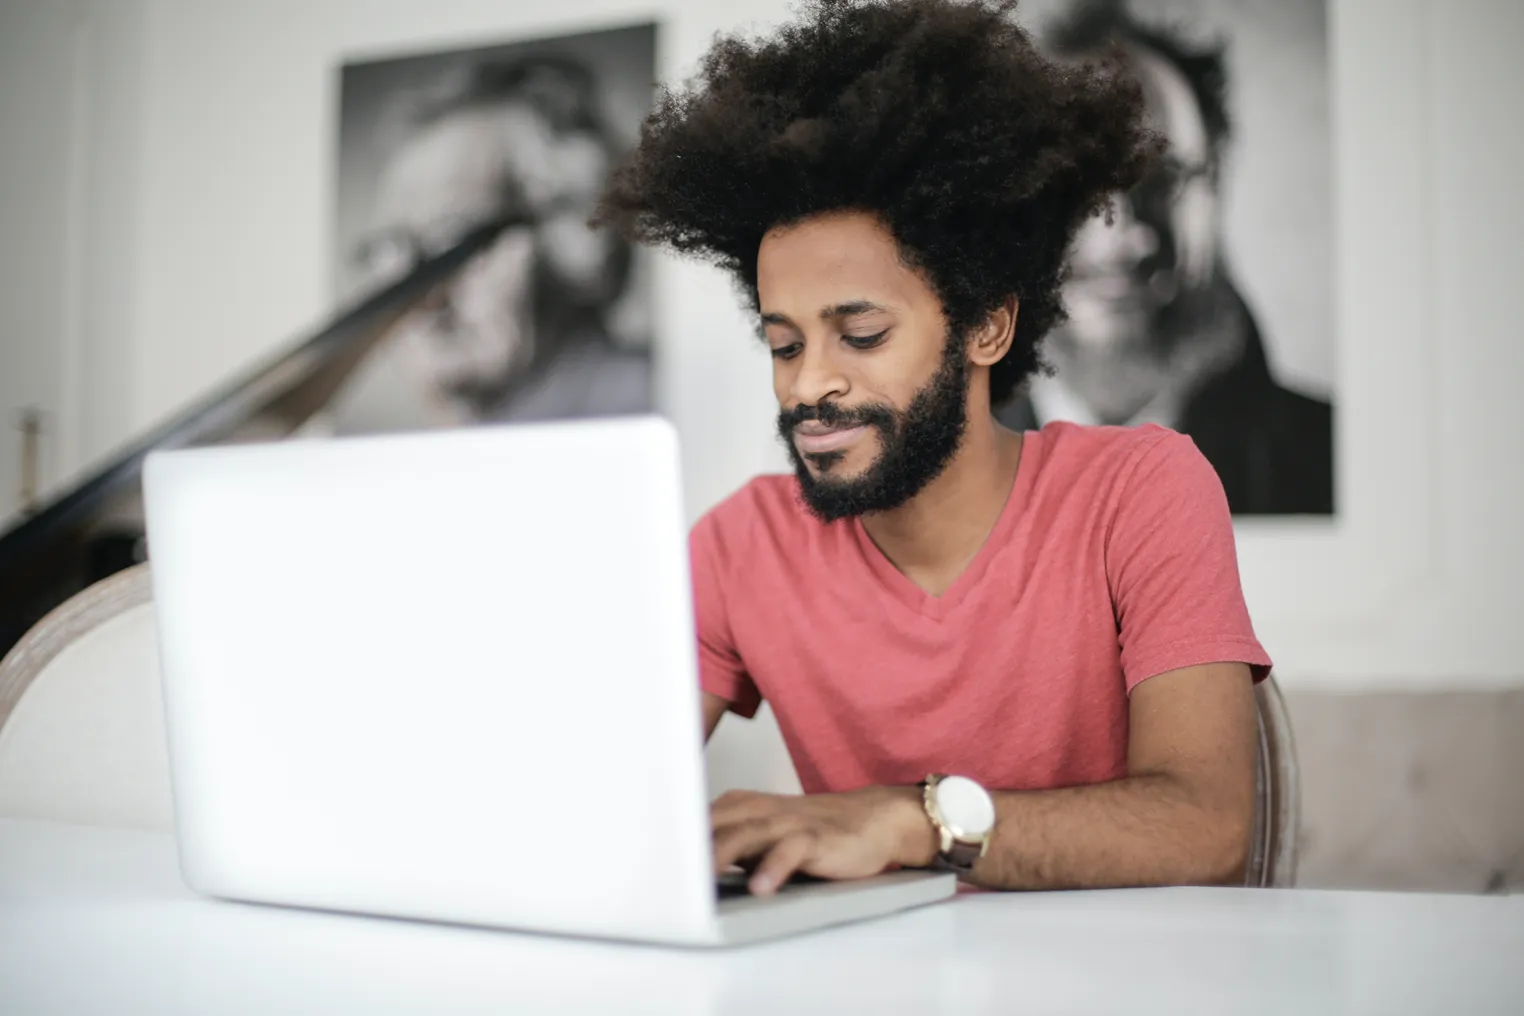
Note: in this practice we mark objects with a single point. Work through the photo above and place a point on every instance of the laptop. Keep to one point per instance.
(452, 676)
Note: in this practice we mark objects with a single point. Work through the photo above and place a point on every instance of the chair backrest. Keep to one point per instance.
(81, 712)
(1277, 794)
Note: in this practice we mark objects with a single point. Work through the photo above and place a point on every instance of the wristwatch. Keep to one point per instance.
(963, 814)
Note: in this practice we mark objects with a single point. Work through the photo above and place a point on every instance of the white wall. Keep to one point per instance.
(211, 134)
(70, 125)
(37, 131)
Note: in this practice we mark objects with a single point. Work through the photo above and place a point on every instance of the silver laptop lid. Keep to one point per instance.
(447, 675)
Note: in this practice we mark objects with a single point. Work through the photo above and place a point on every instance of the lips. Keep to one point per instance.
(1113, 286)
(812, 438)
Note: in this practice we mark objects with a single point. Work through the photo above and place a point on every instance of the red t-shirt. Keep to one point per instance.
(1112, 561)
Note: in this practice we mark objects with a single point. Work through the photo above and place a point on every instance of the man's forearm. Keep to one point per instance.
(1142, 830)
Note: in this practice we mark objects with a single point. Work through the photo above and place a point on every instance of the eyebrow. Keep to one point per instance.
(849, 309)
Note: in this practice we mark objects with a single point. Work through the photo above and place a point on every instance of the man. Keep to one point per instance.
(1053, 617)
(527, 330)
(1157, 331)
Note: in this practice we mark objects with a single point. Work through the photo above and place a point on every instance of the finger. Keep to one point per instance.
(749, 839)
(785, 858)
(741, 805)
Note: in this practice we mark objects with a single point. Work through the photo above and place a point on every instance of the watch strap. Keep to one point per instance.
(961, 857)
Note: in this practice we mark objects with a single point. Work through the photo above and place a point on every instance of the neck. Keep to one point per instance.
(934, 536)
(1114, 387)
(1119, 383)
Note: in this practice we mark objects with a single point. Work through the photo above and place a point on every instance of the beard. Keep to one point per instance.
(916, 444)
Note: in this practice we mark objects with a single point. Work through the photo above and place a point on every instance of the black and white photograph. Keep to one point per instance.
(553, 320)
(1203, 300)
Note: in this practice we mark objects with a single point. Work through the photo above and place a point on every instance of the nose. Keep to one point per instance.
(1128, 239)
(439, 308)
(817, 375)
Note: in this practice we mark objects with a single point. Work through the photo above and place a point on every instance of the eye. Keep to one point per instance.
(787, 352)
(864, 341)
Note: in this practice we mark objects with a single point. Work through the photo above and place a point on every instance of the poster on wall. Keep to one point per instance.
(1205, 303)
(553, 320)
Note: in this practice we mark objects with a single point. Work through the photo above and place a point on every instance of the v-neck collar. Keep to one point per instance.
(904, 590)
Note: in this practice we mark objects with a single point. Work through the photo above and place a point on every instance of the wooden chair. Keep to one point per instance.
(1277, 794)
(81, 712)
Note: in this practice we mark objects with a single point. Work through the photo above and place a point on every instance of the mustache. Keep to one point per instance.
(833, 415)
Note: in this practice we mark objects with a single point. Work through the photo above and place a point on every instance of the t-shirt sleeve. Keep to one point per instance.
(721, 671)
(1173, 568)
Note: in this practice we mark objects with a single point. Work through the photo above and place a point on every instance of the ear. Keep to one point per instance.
(990, 341)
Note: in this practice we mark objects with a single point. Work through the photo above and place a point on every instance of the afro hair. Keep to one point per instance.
(980, 155)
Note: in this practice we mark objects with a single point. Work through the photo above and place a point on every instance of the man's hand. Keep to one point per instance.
(834, 836)
(1181, 815)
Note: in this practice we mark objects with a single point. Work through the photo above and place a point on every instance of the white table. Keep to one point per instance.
(97, 920)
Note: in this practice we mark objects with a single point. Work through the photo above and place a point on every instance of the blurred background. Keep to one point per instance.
(553, 320)
(190, 189)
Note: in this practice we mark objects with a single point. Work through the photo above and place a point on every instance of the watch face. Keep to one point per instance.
(967, 808)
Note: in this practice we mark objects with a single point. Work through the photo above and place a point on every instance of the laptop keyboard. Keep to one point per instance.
(733, 884)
